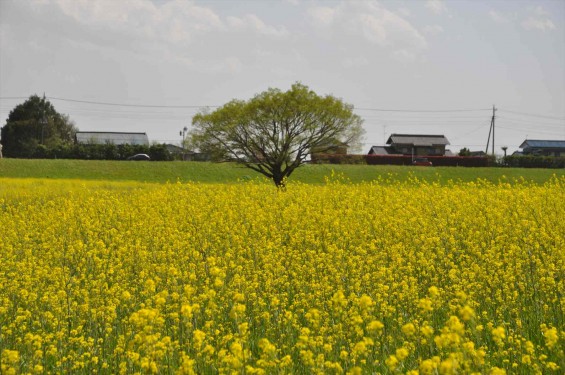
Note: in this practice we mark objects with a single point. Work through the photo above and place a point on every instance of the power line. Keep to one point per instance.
(132, 105)
(423, 110)
(216, 106)
(529, 130)
(534, 115)
(472, 131)
(536, 124)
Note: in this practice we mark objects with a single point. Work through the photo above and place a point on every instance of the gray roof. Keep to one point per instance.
(117, 138)
(537, 143)
(379, 150)
(418, 139)
(174, 148)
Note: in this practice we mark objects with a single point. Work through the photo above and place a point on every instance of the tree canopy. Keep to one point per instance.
(464, 152)
(274, 132)
(33, 124)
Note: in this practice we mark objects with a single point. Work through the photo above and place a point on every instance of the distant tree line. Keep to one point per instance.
(34, 129)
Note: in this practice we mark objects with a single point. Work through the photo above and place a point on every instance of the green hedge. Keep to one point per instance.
(529, 161)
(109, 151)
(438, 161)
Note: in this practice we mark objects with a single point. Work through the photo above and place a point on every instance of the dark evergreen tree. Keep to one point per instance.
(33, 123)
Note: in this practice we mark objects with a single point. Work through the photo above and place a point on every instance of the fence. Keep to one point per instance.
(440, 161)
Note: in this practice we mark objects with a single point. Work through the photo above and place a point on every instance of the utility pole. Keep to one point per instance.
(491, 131)
(183, 134)
(493, 111)
(43, 120)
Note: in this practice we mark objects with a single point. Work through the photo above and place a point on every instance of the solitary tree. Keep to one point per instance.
(33, 123)
(275, 131)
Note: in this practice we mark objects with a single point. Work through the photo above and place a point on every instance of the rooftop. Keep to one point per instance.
(117, 138)
(418, 139)
(540, 143)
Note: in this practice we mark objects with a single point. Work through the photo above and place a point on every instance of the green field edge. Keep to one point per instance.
(222, 173)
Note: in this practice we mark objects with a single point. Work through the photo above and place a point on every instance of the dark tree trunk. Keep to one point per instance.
(278, 177)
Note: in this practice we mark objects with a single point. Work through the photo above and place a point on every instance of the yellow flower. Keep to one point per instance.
(408, 329)
(392, 362)
(427, 367)
(355, 371)
(242, 278)
(427, 330)
(402, 354)
(467, 313)
(551, 337)
(498, 334)
(425, 304)
(497, 371)
(375, 327)
(433, 291)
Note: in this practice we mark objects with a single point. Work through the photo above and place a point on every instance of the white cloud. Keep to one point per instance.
(322, 16)
(176, 31)
(433, 29)
(355, 62)
(404, 12)
(436, 6)
(539, 11)
(254, 23)
(175, 21)
(404, 56)
(532, 23)
(233, 64)
(538, 20)
(497, 17)
(371, 22)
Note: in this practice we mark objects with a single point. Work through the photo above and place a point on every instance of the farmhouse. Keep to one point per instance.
(543, 147)
(174, 149)
(116, 138)
(413, 144)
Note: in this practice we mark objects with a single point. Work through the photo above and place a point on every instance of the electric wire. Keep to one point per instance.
(534, 115)
(386, 118)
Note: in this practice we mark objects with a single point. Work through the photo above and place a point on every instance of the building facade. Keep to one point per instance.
(116, 138)
(413, 144)
(539, 147)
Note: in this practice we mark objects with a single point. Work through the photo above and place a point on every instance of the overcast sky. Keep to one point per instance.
(377, 55)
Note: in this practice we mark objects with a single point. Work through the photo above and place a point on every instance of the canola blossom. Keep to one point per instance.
(383, 277)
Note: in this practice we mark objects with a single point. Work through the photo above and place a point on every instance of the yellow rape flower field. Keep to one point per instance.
(396, 277)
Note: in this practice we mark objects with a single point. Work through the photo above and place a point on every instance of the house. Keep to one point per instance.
(381, 150)
(413, 144)
(543, 147)
(116, 138)
(174, 149)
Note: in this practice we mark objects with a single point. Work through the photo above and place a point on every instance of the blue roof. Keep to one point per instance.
(542, 144)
